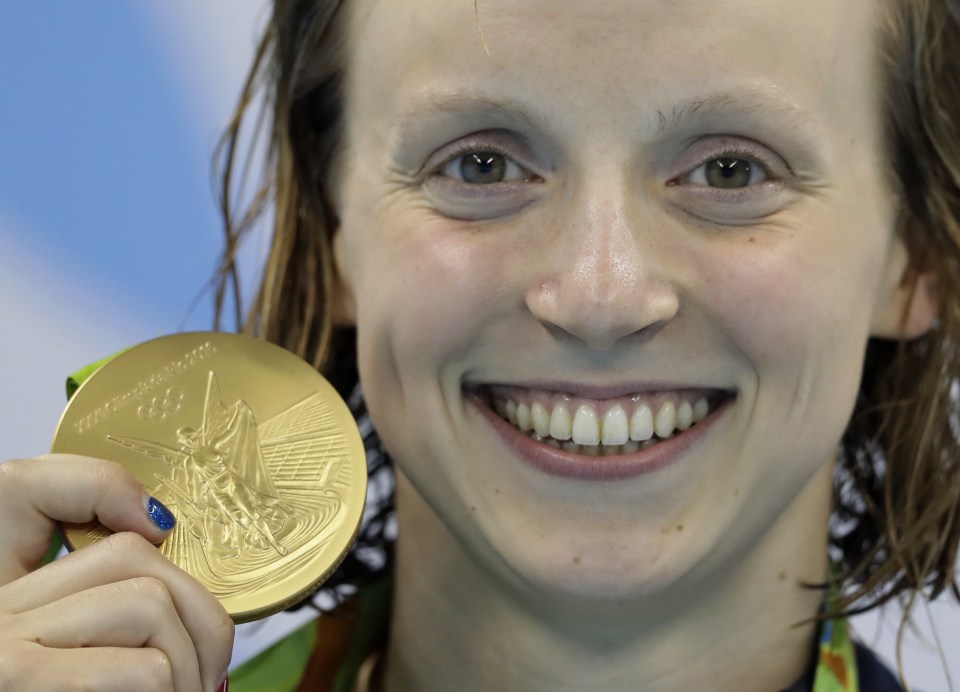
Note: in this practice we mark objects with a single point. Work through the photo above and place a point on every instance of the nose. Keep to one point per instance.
(605, 278)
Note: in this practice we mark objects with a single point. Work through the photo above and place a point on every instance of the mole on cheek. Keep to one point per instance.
(576, 559)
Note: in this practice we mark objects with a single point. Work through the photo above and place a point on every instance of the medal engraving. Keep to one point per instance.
(258, 494)
(143, 388)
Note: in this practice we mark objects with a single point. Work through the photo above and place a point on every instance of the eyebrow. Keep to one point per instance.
(480, 105)
(724, 103)
(685, 114)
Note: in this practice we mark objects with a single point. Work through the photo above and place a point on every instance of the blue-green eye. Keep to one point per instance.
(483, 168)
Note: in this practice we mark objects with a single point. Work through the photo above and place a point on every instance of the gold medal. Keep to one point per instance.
(249, 446)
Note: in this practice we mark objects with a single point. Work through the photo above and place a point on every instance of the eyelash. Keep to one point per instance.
(466, 148)
(731, 152)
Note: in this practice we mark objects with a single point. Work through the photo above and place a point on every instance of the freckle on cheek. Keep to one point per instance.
(576, 560)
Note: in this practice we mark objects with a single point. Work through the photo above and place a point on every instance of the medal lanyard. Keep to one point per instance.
(836, 659)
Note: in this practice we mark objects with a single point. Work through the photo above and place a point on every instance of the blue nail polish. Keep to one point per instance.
(162, 517)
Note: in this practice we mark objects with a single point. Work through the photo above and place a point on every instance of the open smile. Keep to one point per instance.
(600, 438)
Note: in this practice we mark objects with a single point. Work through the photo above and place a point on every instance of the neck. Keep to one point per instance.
(456, 626)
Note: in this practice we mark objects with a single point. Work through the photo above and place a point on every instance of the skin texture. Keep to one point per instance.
(115, 616)
(604, 259)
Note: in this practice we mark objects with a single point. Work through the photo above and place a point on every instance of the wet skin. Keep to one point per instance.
(555, 211)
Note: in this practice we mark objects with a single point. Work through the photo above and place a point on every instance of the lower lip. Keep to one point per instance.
(558, 462)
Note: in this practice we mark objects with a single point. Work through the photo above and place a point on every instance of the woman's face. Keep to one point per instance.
(660, 226)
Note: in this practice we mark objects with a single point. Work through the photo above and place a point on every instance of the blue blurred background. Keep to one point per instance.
(109, 116)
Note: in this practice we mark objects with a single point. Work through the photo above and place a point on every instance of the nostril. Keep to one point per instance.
(601, 320)
(603, 339)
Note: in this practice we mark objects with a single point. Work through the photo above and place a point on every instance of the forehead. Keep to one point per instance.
(631, 60)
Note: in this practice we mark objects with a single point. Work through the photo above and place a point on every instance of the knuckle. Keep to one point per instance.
(125, 550)
(128, 543)
(156, 674)
(11, 475)
(152, 591)
(112, 474)
(224, 630)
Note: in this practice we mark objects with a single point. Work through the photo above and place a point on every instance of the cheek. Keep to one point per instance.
(449, 282)
(424, 290)
(775, 300)
(798, 308)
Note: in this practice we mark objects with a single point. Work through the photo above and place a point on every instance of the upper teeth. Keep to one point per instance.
(584, 426)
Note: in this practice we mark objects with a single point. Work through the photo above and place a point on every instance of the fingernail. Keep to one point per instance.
(224, 685)
(161, 517)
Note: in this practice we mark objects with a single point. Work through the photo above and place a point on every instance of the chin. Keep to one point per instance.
(600, 569)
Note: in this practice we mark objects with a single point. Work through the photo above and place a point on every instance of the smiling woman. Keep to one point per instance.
(617, 278)
(643, 299)
(612, 302)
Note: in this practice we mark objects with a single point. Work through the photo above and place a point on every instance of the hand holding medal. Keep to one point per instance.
(250, 448)
(252, 452)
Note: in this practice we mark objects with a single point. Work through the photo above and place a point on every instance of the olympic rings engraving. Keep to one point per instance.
(159, 407)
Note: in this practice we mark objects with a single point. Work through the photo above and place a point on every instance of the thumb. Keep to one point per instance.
(36, 493)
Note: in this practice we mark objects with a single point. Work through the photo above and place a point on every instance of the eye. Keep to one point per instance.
(728, 173)
(730, 180)
(484, 168)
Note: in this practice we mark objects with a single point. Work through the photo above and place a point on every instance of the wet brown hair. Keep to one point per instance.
(896, 522)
